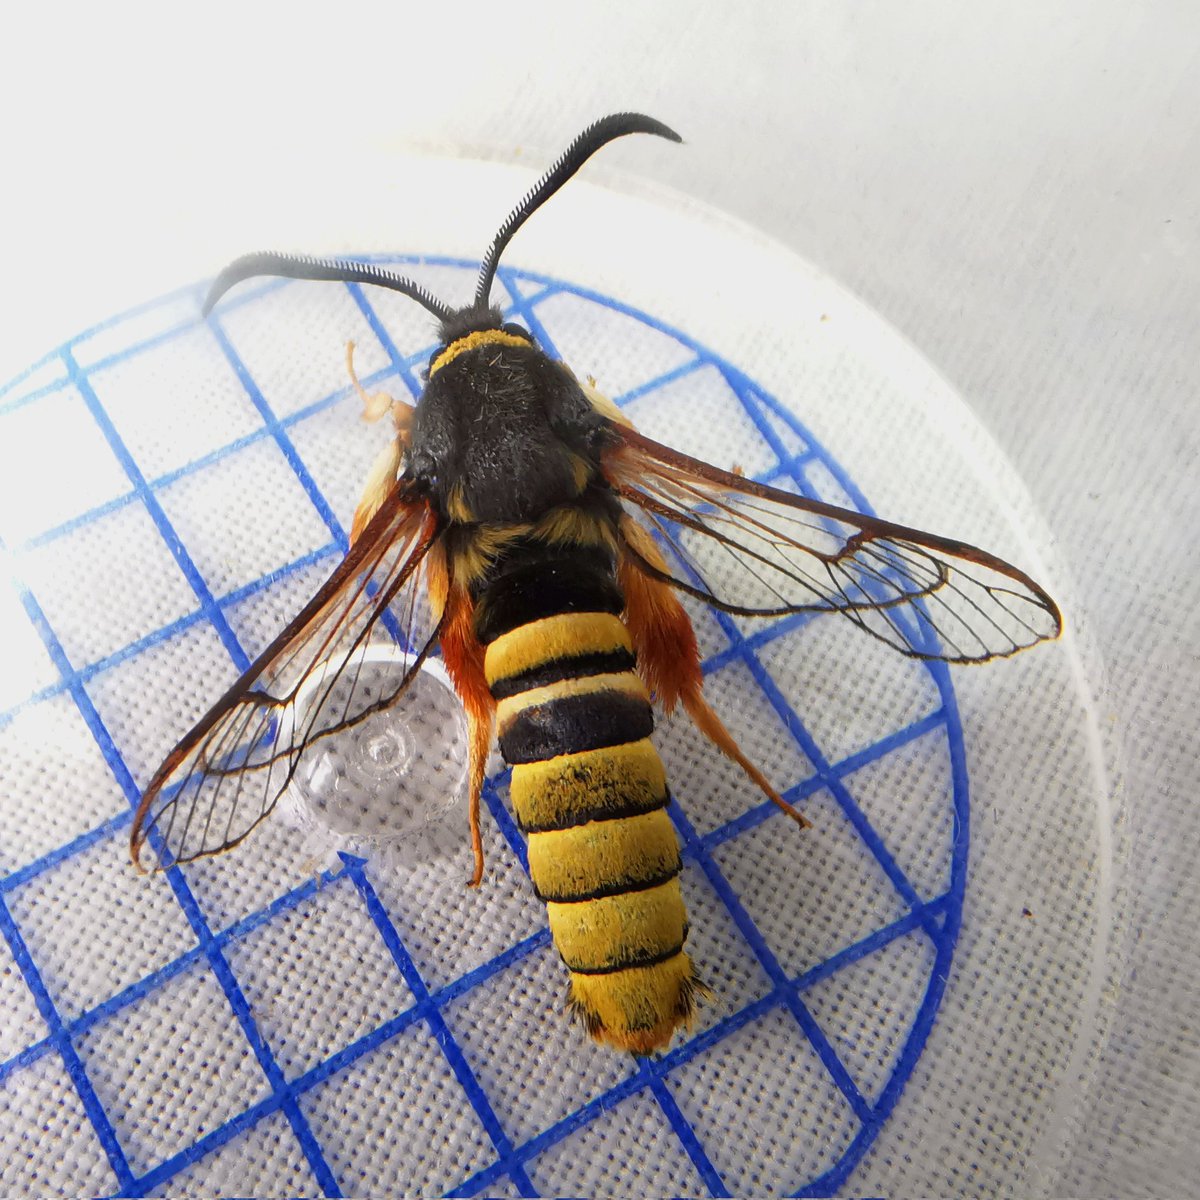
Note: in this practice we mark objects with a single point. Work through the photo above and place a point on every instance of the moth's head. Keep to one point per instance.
(465, 321)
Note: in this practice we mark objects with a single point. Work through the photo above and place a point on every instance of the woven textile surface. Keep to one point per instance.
(276, 1022)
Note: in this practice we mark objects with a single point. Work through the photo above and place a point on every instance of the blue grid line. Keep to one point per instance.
(552, 1135)
(837, 789)
(752, 817)
(84, 841)
(39, 393)
(164, 633)
(348, 1055)
(258, 1044)
(182, 559)
(829, 1057)
(945, 944)
(391, 1028)
(683, 1130)
(30, 1054)
(770, 964)
(792, 720)
(450, 1048)
(213, 952)
(196, 290)
(402, 365)
(660, 381)
(889, 742)
(450, 993)
(792, 723)
(939, 975)
(945, 947)
(881, 937)
(627, 1087)
(216, 960)
(124, 500)
(93, 1109)
(748, 819)
(759, 813)
(720, 1030)
(671, 1111)
(480, 974)
(764, 427)
(504, 819)
(192, 466)
(220, 939)
(242, 1012)
(416, 359)
(116, 357)
(61, 1042)
(247, 294)
(277, 431)
(208, 945)
(234, 597)
(200, 616)
(337, 1061)
(205, 1145)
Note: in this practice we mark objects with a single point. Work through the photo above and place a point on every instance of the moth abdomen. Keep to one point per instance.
(589, 790)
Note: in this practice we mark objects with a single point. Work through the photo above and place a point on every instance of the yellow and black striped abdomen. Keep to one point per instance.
(589, 790)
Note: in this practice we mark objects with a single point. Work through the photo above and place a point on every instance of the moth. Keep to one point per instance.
(519, 526)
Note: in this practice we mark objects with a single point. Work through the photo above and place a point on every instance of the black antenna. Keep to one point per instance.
(598, 134)
(300, 266)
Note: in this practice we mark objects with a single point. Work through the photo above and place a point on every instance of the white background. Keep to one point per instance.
(1015, 186)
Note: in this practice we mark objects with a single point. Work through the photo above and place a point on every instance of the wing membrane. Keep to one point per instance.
(228, 773)
(753, 550)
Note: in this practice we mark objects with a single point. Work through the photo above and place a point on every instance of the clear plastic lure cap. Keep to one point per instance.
(392, 775)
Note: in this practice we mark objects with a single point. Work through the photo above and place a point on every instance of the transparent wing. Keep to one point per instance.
(754, 550)
(228, 773)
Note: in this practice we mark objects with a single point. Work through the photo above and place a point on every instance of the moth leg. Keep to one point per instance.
(379, 404)
(481, 743)
(463, 656)
(386, 467)
(714, 729)
(669, 659)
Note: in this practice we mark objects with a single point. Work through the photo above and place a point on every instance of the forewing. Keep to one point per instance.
(228, 773)
(754, 550)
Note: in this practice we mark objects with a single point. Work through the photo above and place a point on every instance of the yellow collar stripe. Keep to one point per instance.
(481, 337)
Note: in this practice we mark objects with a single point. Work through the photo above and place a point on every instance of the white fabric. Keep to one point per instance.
(765, 1108)
(1009, 188)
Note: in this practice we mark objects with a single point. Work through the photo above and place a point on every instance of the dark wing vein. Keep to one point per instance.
(753, 550)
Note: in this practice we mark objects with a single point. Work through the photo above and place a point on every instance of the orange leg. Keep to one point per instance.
(714, 729)
(378, 405)
(382, 476)
(481, 743)
(463, 656)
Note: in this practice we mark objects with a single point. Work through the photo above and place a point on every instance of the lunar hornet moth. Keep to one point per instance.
(522, 528)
